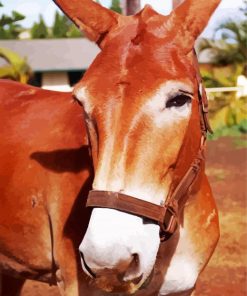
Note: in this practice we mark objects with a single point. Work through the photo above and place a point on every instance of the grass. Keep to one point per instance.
(237, 130)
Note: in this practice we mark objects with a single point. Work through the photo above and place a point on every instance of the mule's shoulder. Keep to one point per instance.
(11, 92)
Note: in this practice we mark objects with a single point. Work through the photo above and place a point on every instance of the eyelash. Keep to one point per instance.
(178, 101)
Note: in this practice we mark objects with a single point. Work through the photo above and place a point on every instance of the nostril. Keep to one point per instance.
(87, 268)
(135, 259)
(133, 272)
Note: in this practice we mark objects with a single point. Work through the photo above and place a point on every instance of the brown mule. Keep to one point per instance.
(141, 99)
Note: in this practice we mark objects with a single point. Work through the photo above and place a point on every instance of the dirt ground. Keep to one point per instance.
(226, 273)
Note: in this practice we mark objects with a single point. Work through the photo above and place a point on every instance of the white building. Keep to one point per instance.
(57, 64)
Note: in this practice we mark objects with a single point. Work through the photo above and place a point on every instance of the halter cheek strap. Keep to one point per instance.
(167, 215)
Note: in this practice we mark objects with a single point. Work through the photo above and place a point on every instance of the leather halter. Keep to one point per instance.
(167, 214)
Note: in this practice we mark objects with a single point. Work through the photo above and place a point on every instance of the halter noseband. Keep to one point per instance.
(167, 214)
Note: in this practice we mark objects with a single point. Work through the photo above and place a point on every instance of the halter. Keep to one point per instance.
(167, 214)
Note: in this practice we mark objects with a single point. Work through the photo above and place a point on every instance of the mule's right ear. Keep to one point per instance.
(190, 18)
(92, 18)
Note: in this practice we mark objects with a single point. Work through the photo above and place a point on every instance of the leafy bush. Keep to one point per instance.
(39, 29)
(63, 28)
(232, 131)
(233, 113)
(8, 27)
(17, 67)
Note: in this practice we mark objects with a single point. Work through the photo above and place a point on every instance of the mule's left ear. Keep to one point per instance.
(92, 18)
(189, 20)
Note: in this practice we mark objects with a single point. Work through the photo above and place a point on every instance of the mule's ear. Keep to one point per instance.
(190, 18)
(92, 18)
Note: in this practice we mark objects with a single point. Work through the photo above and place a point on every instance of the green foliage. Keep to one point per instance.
(15, 17)
(63, 28)
(17, 67)
(231, 48)
(244, 9)
(60, 26)
(74, 32)
(220, 76)
(232, 118)
(8, 27)
(115, 6)
(228, 52)
(232, 131)
(39, 29)
(209, 80)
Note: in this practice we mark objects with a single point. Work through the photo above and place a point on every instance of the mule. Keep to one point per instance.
(154, 223)
(146, 114)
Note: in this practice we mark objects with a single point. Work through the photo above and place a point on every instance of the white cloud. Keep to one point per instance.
(231, 4)
(28, 8)
(106, 3)
(163, 7)
(49, 12)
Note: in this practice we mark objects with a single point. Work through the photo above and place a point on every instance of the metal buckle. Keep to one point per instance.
(204, 102)
(169, 224)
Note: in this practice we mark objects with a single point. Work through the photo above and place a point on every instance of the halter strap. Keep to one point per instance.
(167, 214)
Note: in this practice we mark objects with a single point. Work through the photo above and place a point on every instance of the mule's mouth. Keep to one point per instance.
(112, 283)
(148, 280)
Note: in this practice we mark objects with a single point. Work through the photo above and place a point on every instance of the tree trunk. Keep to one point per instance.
(131, 7)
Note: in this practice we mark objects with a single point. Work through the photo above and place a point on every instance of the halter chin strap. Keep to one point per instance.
(167, 214)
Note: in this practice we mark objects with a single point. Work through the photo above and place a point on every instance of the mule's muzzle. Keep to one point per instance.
(112, 280)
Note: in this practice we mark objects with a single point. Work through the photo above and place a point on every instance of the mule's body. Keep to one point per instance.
(44, 179)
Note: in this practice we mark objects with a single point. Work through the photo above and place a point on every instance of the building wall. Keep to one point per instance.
(58, 81)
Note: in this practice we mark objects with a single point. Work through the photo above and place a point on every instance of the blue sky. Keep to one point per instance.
(31, 9)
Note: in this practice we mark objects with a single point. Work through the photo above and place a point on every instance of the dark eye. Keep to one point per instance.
(178, 101)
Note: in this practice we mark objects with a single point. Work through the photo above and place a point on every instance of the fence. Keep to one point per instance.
(238, 89)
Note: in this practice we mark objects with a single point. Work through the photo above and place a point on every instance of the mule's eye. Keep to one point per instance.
(178, 101)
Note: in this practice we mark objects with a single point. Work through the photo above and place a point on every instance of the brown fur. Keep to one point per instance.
(45, 177)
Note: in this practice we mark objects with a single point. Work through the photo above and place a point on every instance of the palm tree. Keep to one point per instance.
(8, 27)
(229, 56)
(231, 45)
(16, 68)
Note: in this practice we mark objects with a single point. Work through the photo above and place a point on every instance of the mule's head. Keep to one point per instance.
(140, 98)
